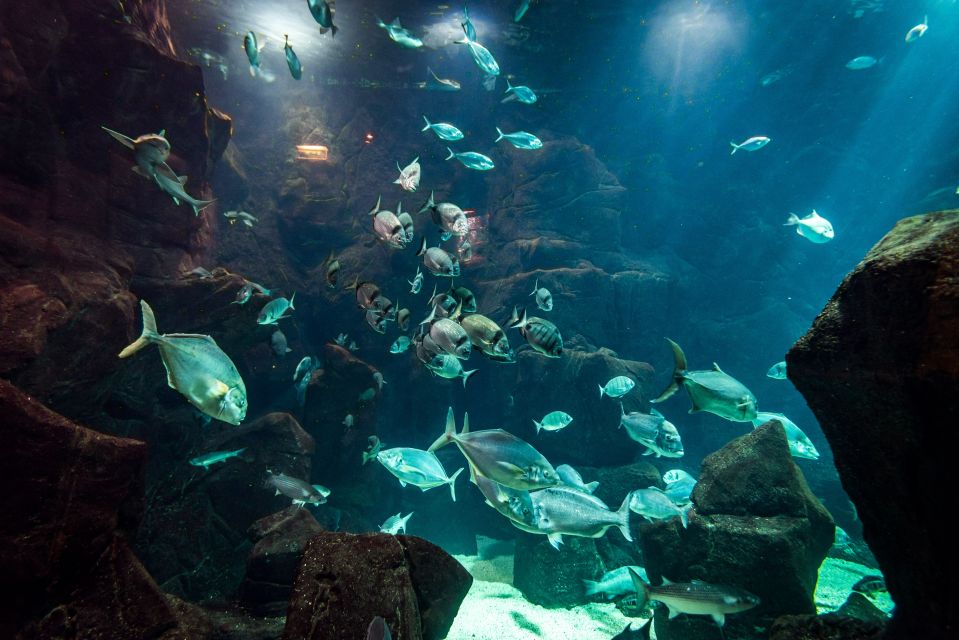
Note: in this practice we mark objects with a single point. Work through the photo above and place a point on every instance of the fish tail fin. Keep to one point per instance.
(448, 434)
(793, 220)
(509, 87)
(428, 125)
(679, 367)
(291, 300)
(622, 514)
(516, 320)
(451, 155)
(642, 589)
(431, 202)
(501, 134)
(466, 376)
(452, 482)
(592, 486)
(422, 248)
(538, 426)
(148, 335)
(333, 30)
(684, 518)
(591, 587)
(602, 392)
(199, 205)
(734, 146)
(119, 137)
(535, 286)
(466, 424)
(376, 207)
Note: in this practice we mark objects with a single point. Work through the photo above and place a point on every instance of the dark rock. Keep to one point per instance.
(860, 607)
(278, 544)
(759, 528)
(345, 580)
(826, 627)
(880, 370)
(554, 578)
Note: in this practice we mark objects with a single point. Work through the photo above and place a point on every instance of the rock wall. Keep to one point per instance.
(880, 369)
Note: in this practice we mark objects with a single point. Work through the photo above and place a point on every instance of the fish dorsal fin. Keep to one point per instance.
(162, 133)
(716, 368)
(182, 180)
(466, 424)
(396, 23)
(666, 581)
(654, 412)
(695, 581)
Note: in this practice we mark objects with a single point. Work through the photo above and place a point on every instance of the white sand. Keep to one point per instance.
(836, 578)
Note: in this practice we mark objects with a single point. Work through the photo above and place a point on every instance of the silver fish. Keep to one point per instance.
(481, 56)
(520, 139)
(439, 262)
(304, 367)
(400, 345)
(488, 337)
(373, 450)
(332, 269)
(553, 421)
(387, 227)
(679, 486)
(416, 284)
(275, 310)
(617, 387)
(300, 491)
(451, 338)
(566, 511)
(777, 371)
(696, 598)
(394, 524)
(399, 34)
(243, 294)
(472, 160)
(544, 299)
(436, 83)
(292, 60)
(614, 583)
(197, 368)
(570, 477)
(417, 467)
(653, 431)
(519, 93)
(279, 344)
(541, 334)
(403, 319)
(447, 216)
(654, 504)
(409, 178)
(407, 221)
(515, 504)
(214, 457)
(499, 455)
(800, 446)
(323, 12)
(443, 130)
(448, 366)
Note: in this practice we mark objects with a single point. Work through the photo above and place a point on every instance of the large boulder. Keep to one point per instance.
(345, 580)
(551, 577)
(755, 525)
(880, 369)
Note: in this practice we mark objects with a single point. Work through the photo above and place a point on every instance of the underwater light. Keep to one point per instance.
(312, 152)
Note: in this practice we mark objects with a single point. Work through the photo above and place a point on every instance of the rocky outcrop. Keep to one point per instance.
(551, 577)
(880, 369)
(345, 580)
(755, 525)
(826, 627)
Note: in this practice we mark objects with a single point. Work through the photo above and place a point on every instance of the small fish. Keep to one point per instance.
(416, 284)
(417, 467)
(197, 368)
(348, 421)
(861, 62)
(394, 524)
(243, 294)
(367, 395)
(292, 61)
(713, 391)
(373, 450)
(409, 178)
(436, 83)
(200, 272)
(376, 320)
(570, 477)
(653, 431)
(403, 319)
(918, 31)
(520, 139)
(489, 82)
(246, 218)
(499, 455)
(443, 130)
(378, 630)
(696, 598)
(751, 144)
(279, 344)
(438, 262)
(303, 367)
(488, 338)
(468, 29)
(387, 226)
(813, 227)
(472, 160)
(366, 293)
(563, 511)
(210, 59)
(448, 366)
(300, 491)
(614, 583)
(519, 93)
(773, 77)
(447, 216)
(541, 334)
(341, 339)
(323, 11)
(400, 345)
(353, 346)
(544, 299)
(378, 379)
(252, 49)
(464, 298)
(800, 446)
(679, 486)
(465, 251)
(209, 459)
(553, 421)
(173, 185)
(521, 10)
(399, 35)
(777, 371)
(275, 310)
(332, 269)
(871, 585)
(481, 56)
(617, 387)
(654, 504)
(451, 338)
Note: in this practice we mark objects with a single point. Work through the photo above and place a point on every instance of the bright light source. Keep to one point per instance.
(312, 152)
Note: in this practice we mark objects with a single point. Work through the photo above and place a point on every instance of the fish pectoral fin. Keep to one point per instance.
(402, 483)
(511, 468)
(719, 618)
(555, 539)
(716, 368)
(673, 612)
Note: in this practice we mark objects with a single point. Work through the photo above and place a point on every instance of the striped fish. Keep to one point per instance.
(541, 334)
(297, 490)
(695, 598)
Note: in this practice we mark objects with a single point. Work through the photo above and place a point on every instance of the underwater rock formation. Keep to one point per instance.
(880, 370)
(344, 580)
(554, 578)
(755, 525)
(826, 627)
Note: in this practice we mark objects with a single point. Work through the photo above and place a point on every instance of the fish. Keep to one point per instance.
(394, 524)
(489, 82)
(544, 299)
(173, 185)
(570, 477)
(488, 338)
(212, 458)
(653, 431)
(436, 83)
(403, 319)
(332, 269)
(639, 633)
(260, 288)
(448, 366)
(302, 386)
(813, 227)
(519, 93)
(617, 387)
(300, 491)
(713, 391)
(303, 367)
(773, 77)
(521, 10)
(243, 294)
(443, 130)
(376, 320)
(275, 310)
(777, 371)
(541, 334)
(279, 344)
(366, 395)
(378, 630)
(292, 61)
(751, 144)
(211, 59)
(468, 29)
(200, 273)
(246, 218)
(348, 421)
(861, 62)
(472, 160)
(378, 379)
(918, 31)
(553, 421)
(400, 345)
(150, 151)
(614, 583)
(447, 216)
(679, 486)
(654, 504)
(438, 262)
(481, 56)
(696, 598)
(252, 49)
(323, 12)
(373, 450)
(197, 368)
(367, 294)
(465, 251)
(451, 338)
(353, 346)
(871, 585)
(520, 139)
(416, 284)
(399, 35)
(409, 178)
(387, 226)
(800, 446)
(407, 221)
(499, 455)
(563, 511)
(417, 467)
(515, 504)
(341, 339)
(464, 298)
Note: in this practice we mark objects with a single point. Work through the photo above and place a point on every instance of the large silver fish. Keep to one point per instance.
(499, 455)
(438, 262)
(653, 431)
(387, 227)
(654, 504)
(515, 504)
(488, 337)
(299, 491)
(713, 391)
(197, 368)
(447, 216)
(451, 338)
(417, 467)
(567, 511)
(696, 598)
(409, 178)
